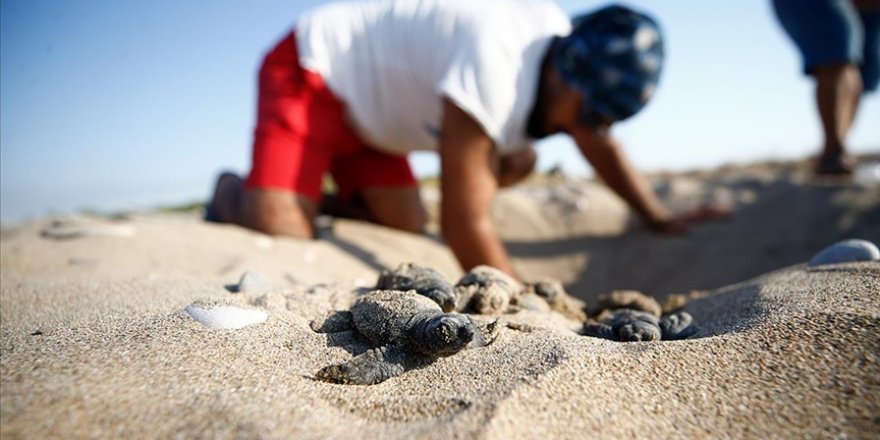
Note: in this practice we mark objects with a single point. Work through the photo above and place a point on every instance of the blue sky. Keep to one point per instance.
(118, 105)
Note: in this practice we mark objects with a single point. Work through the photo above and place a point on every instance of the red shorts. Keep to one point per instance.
(302, 133)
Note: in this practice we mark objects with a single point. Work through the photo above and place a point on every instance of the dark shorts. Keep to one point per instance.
(302, 134)
(833, 32)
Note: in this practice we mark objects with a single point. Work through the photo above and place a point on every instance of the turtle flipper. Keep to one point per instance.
(486, 332)
(371, 367)
(334, 322)
(679, 325)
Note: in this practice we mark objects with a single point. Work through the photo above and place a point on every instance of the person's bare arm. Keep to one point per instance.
(468, 186)
(615, 169)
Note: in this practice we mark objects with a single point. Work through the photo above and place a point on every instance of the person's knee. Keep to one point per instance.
(397, 208)
(281, 222)
(842, 77)
(410, 219)
(832, 70)
(415, 221)
(515, 167)
(278, 213)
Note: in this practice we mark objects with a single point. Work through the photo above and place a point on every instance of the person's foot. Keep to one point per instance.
(836, 163)
(227, 191)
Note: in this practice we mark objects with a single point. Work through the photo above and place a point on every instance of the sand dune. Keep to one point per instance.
(96, 339)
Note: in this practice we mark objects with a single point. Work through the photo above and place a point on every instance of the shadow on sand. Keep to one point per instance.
(786, 224)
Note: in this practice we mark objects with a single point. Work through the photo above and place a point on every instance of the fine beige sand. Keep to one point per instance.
(95, 341)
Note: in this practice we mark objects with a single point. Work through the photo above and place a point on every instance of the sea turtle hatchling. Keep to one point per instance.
(487, 291)
(554, 294)
(484, 290)
(629, 316)
(628, 325)
(424, 280)
(406, 330)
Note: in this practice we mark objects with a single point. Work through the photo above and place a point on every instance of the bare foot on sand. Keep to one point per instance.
(225, 201)
(836, 163)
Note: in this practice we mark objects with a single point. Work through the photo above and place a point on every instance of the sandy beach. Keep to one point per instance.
(99, 336)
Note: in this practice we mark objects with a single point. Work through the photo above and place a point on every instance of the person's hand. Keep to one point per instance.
(679, 224)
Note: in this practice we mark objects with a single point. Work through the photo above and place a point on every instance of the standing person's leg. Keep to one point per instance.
(276, 212)
(838, 91)
(829, 35)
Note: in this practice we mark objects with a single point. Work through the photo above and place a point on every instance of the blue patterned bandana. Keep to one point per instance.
(613, 57)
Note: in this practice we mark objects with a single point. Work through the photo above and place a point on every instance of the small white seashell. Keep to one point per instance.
(226, 317)
(68, 230)
(847, 251)
(264, 242)
(253, 282)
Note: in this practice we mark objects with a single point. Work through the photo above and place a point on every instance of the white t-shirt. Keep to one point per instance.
(392, 62)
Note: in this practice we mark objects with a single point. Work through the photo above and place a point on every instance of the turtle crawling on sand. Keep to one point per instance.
(424, 280)
(487, 291)
(406, 330)
(554, 294)
(628, 325)
(484, 290)
(628, 316)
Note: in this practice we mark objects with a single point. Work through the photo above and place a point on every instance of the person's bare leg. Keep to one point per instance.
(399, 208)
(838, 91)
(514, 167)
(278, 212)
(274, 212)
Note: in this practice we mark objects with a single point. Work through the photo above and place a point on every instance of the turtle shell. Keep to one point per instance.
(384, 316)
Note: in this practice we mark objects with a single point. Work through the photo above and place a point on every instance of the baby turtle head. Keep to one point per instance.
(443, 335)
(635, 325)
